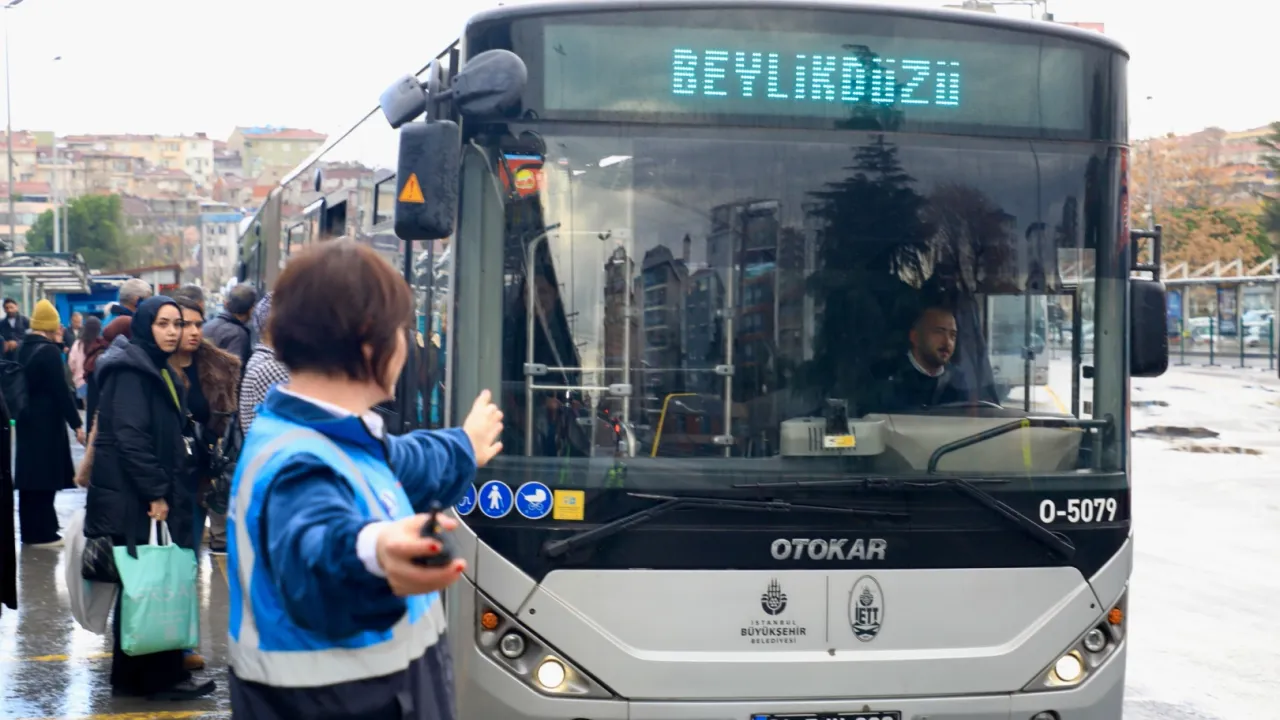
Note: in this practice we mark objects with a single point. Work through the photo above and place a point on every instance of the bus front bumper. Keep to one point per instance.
(490, 692)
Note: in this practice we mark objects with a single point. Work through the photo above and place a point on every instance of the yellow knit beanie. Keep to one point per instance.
(45, 318)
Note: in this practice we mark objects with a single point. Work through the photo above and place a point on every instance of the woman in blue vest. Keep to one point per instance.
(330, 617)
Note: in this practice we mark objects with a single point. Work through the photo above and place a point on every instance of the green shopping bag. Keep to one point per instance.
(159, 609)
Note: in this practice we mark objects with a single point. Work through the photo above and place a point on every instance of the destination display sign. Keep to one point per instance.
(1010, 81)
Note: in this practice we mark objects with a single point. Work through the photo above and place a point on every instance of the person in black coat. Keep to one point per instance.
(8, 540)
(138, 460)
(13, 327)
(44, 464)
(228, 331)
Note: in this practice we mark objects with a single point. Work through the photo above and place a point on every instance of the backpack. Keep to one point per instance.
(13, 383)
(224, 454)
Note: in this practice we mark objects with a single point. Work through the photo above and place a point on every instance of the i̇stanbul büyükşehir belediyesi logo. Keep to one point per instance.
(773, 601)
(773, 630)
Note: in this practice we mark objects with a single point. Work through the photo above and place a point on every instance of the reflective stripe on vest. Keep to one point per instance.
(315, 668)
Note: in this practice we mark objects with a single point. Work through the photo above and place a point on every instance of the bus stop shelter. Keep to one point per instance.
(42, 273)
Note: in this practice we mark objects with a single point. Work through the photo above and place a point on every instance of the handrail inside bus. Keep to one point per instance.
(657, 435)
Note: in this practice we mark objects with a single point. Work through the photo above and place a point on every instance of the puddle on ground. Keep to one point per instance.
(1173, 431)
(1215, 449)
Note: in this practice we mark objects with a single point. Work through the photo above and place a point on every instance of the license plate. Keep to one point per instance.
(880, 715)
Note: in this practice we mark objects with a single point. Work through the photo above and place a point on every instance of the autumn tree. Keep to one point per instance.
(1179, 180)
(1200, 235)
(1172, 172)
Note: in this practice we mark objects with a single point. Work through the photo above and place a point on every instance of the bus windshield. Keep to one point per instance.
(693, 294)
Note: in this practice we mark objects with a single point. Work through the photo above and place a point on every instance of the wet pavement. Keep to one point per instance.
(1203, 634)
(51, 668)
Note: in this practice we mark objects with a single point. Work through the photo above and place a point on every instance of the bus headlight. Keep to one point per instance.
(1095, 641)
(550, 674)
(1069, 668)
(507, 642)
(1093, 648)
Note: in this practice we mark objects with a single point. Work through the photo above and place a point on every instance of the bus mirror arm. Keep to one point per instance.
(491, 83)
(1155, 235)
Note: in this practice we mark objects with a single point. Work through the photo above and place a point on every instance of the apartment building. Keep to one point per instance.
(219, 230)
(262, 149)
(31, 200)
(1226, 165)
(191, 154)
(25, 156)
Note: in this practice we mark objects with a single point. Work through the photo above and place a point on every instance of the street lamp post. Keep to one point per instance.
(8, 123)
(56, 193)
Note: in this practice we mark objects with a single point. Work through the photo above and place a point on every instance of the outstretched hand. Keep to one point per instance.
(484, 426)
(401, 542)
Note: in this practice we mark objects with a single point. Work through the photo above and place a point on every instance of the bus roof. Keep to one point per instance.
(968, 17)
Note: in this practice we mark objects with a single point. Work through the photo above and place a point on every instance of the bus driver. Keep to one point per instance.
(925, 377)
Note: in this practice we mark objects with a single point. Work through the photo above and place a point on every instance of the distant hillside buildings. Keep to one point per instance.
(186, 194)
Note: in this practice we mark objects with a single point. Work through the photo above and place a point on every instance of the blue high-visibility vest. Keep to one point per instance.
(266, 646)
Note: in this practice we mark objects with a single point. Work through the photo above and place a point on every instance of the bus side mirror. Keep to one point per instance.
(427, 180)
(490, 83)
(1148, 335)
(403, 101)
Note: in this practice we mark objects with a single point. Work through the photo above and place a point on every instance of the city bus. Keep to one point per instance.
(695, 248)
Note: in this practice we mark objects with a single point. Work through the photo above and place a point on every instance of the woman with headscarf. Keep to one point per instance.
(44, 465)
(139, 456)
(89, 334)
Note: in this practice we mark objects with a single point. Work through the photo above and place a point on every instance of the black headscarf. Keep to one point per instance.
(143, 318)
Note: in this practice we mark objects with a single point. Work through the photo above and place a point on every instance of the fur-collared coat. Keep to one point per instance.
(219, 374)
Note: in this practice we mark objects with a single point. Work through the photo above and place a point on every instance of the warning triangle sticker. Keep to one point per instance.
(412, 192)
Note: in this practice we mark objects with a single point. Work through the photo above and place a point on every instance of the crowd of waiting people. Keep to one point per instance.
(325, 514)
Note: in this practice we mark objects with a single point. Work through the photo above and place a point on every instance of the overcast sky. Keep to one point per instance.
(209, 65)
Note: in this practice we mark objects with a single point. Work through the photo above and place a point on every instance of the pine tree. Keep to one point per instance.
(872, 240)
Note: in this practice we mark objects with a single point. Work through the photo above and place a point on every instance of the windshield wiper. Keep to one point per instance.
(555, 548)
(1059, 544)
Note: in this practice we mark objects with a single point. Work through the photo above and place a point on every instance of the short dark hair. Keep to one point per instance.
(931, 307)
(9, 300)
(241, 299)
(330, 301)
(186, 302)
(195, 292)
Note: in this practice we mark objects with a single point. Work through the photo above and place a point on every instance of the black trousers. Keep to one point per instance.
(36, 516)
